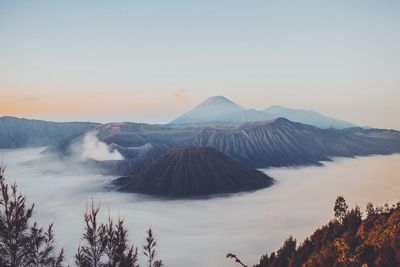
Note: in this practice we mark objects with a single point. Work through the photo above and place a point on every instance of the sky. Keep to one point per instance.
(149, 61)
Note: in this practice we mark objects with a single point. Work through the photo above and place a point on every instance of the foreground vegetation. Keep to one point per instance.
(348, 240)
(24, 243)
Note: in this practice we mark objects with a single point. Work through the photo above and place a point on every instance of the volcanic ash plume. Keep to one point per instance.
(95, 149)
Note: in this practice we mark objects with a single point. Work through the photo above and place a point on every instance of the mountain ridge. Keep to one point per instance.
(215, 113)
(307, 116)
(21, 132)
(217, 110)
(260, 144)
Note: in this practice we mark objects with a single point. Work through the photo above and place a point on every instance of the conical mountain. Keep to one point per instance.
(208, 111)
(190, 171)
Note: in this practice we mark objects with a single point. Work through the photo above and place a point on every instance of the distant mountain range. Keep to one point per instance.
(18, 132)
(274, 143)
(144, 150)
(220, 110)
(217, 110)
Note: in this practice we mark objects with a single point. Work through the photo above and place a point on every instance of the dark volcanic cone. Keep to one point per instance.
(190, 171)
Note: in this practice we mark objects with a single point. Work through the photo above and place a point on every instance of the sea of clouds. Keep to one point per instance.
(199, 232)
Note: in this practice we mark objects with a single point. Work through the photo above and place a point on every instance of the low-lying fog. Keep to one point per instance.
(200, 232)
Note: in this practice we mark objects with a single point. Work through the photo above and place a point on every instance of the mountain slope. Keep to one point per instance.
(350, 241)
(189, 171)
(307, 117)
(248, 115)
(282, 143)
(16, 132)
(262, 144)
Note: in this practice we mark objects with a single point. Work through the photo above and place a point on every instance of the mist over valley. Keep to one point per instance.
(248, 224)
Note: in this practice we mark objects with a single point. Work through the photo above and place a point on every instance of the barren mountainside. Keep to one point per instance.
(261, 144)
(282, 142)
(190, 171)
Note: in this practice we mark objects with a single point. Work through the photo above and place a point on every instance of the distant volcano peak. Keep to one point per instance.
(217, 100)
(209, 111)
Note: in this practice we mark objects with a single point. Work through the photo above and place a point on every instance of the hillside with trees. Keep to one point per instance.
(349, 240)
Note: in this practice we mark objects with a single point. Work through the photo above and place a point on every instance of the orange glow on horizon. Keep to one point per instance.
(75, 104)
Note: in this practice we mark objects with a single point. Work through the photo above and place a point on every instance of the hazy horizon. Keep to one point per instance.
(102, 120)
(138, 61)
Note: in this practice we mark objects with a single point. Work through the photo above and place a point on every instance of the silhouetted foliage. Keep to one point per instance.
(107, 244)
(283, 257)
(21, 243)
(118, 251)
(370, 209)
(150, 252)
(95, 240)
(340, 208)
(41, 251)
(237, 260)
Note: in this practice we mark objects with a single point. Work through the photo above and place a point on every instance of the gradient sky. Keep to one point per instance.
(149, 61)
